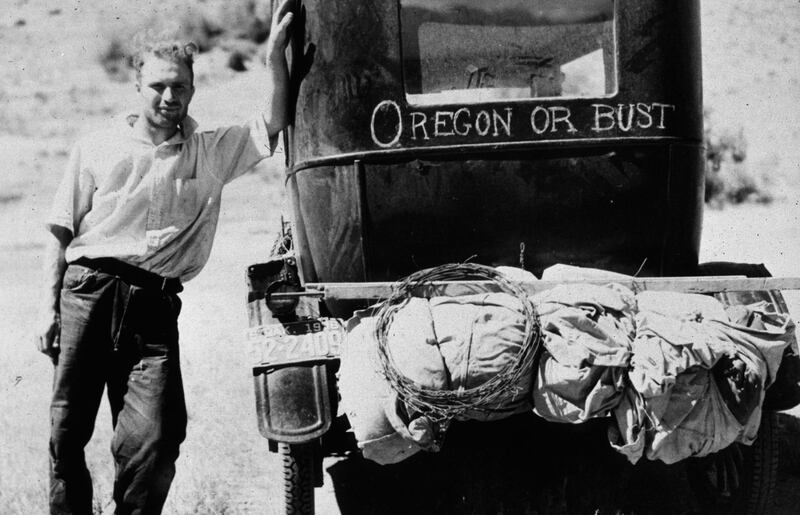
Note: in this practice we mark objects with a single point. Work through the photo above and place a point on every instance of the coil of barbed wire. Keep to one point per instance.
(444, 405)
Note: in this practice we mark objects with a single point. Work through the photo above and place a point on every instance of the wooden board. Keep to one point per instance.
(382, 290)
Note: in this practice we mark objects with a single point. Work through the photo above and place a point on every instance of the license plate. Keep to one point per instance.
(307, 340)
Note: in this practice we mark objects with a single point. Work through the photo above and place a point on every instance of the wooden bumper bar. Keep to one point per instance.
(382, 290)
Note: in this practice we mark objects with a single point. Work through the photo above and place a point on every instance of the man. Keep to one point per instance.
(134, 216)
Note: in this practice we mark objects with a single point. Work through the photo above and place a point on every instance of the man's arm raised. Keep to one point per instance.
(276, 112)
(54, 266)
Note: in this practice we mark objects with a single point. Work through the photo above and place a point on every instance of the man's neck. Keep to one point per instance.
(157, 135)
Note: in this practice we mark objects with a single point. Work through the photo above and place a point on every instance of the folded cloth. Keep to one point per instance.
(569, 394)
(365, 393)
(627, 434)
(479, 337)
(612, 297)
(587, 333)
(696, 386)
(665, 347)
(784, 392)
(766, 341)
(445, 343)
(692, 422)
(561, 272)
(388, 450)
(412, 342)
(683, 306)
(517, 274)
(414, 427)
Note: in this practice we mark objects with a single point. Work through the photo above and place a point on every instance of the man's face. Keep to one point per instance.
(166, 89)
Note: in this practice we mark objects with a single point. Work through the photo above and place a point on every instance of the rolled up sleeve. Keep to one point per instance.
(239, 148)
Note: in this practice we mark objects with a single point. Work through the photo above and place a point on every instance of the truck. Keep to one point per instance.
(520, 133)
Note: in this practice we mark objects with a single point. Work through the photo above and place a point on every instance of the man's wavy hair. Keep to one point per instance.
(171, 50)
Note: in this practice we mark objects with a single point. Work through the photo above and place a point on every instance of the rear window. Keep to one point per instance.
(471, 51)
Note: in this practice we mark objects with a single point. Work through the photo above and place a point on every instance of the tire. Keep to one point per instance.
(740, 479)
(789, 434)
(298, 478)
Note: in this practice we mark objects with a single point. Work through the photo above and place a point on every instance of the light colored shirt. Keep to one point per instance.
(153, 206)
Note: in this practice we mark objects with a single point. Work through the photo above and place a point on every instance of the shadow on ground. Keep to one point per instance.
(521, 466)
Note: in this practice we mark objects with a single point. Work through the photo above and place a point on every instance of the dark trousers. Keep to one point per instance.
(124, 338)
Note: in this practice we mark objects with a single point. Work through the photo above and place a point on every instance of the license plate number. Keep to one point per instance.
(307, 340)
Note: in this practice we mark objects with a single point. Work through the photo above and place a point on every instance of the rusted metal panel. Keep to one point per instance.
(621, 209)
(352, 94)
(612, 181)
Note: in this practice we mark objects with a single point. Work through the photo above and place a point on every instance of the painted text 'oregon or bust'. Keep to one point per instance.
(497, 122)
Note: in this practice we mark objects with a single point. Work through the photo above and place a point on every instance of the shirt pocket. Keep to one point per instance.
(175, 205)
(185, 202)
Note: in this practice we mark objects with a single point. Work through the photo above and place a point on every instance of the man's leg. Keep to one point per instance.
(150, 410)
(77, 389)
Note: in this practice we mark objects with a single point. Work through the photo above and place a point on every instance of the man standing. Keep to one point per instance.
(134, 216)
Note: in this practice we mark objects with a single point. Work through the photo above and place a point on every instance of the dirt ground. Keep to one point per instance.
(52, 89)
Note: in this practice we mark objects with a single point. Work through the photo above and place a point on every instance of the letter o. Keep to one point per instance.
(540, 109)
(382, 106)
(487, 120)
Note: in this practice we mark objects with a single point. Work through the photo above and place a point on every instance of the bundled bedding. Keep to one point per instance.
(677, 375)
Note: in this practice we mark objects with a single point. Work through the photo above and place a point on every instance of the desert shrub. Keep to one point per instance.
(237, 20)
(235, 26)
(727, 176)
(116, 59)
(197, 27)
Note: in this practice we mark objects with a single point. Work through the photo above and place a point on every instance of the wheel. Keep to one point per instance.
(789, 435)
(298, 478)
(741, 478)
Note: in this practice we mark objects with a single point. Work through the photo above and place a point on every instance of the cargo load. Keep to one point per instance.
(676, 375)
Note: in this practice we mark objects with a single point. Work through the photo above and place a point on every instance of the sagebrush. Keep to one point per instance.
(728, 178)
(237, 27)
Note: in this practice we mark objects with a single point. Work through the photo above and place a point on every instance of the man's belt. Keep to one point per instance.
(132, 275)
